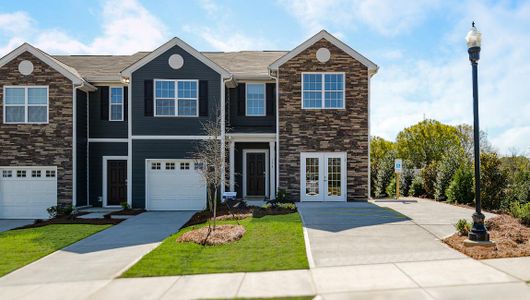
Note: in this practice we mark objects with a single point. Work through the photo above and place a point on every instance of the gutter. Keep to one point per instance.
(276, 78)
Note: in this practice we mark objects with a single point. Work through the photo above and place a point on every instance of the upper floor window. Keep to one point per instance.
(116, 104)
(176, 98)
(322, 90)
(255, 99)
(23, 104)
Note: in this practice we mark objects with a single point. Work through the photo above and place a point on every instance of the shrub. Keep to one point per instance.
(460, 189)
(429, 174)
(463, 227)
(521, 212)
(416, 187)
(493, 181)
(288, 206)
(52, 212)
(385, 170)
(282, 196)
(125, 205)
(517, 169)
(391, 187)
(447, 167)
(406, 178)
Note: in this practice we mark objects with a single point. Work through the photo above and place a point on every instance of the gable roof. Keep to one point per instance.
(323, 34)
(165, 47)
(249, 65)
(60, 67)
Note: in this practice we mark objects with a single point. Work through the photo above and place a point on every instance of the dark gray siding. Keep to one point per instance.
(243, 124)
(160, 69)
(238, 166)
(103, 128)
(81, 148)
(155, 149)
(96, 153)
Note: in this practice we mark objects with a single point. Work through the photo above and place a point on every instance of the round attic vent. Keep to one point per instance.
(25, 67)
(176, 61)
(323, 55)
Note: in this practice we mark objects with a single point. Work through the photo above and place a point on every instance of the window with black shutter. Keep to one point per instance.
(241, 99)
(203, 98)
(104, 101)
(148, 98)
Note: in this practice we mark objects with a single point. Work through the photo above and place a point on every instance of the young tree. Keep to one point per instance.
(211, 153)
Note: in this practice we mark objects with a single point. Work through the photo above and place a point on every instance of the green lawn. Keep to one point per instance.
(20, 247)
(270, 243)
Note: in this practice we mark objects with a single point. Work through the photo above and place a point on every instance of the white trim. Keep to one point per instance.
(277, 105)
(170, 137)
(108, 140)
(88, 149)
(74, 145)
(104, 191)
(323, 173)
(264, 100)
(323, 90)
(223, 137)
(272, 170)
(49, 60)
(176, 98)
(26, 104)
(372, 68)
(129, 142)
(122, 103)
(252, 137)
(266, 152)
(167, 46)
(231, 165)
(369, 139)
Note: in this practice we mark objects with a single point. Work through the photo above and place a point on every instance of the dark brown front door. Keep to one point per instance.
(256, 174)
(116, 182)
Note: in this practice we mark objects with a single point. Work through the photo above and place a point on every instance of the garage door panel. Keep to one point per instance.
(174, 185)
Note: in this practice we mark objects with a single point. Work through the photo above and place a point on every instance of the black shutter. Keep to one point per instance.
(104, 101)
(241, 99)
(148, 98)
(270, 92)
(125, 103)
(203, 98)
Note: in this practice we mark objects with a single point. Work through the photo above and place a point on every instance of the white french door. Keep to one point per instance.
(323, 176)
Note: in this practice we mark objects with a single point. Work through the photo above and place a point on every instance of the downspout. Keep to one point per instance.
(276, 78)
(223, 134)
(74, 142)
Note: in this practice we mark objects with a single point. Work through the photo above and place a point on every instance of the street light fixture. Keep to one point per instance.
(478, 233)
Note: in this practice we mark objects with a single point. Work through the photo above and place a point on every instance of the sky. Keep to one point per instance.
(419, 46)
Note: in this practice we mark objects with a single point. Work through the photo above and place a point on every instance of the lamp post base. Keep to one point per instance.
(478, 232)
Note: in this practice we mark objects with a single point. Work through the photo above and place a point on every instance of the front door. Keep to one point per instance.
(116, 182)
(255, 169)
(323, 176)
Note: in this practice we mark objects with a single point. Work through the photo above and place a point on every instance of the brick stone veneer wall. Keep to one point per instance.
(46, 144)
(333, 130)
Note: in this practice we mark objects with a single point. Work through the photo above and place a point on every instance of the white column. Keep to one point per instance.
(272, 170)
(231, 163)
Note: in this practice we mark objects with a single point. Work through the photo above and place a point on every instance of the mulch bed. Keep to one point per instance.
(125, 212)
(222, 234)
(512, 239)
(70, 220)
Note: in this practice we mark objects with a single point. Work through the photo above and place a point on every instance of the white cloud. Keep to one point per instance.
(127, 27)
(387, 17)
(441, 89)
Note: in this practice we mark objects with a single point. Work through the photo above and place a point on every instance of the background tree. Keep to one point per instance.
(450, 162)
(493, 181)
(465, 137)
(461, 188)
(385, 170)
(379, 147)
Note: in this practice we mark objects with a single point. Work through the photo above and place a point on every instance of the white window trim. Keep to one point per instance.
(122, 103)
(26, 104)
(264, 100)
(323, 90)
(176, 99)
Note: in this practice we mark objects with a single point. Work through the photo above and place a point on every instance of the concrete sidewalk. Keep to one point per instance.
(102, 256)
(8, 224)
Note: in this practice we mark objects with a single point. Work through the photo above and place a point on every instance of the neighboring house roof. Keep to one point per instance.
(246, 64)
(101, 68)
(60, 67)
(171, 43)
(323, 34)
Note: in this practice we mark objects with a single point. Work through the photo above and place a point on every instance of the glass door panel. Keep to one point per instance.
(312, 176)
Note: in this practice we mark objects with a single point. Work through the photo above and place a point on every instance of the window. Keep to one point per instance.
(198, 166)
(155, 166)
(116, 104)
(184, 166)
(7, 173)
(176, 98)
(322, 90)
(21, 173)
(26, 105)
(35, 173)
(255, 99)
(170, 166)
(50, 173)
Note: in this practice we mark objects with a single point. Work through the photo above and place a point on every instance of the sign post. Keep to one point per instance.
(398, 168)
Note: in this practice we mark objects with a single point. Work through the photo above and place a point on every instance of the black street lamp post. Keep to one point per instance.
(478, 232)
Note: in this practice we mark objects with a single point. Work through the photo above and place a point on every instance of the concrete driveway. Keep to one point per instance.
(8, 224)
(104, 255)
(359, 233)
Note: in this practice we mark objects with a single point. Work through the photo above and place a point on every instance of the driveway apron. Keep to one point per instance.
(104, 255)
(8, 224)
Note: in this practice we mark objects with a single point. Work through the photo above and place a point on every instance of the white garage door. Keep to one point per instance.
(26, 192)
(174, 185)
